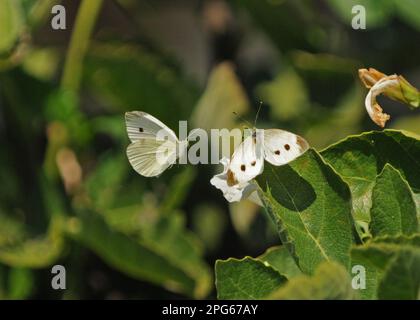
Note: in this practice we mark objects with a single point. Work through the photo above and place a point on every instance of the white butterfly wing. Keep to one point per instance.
(150, 156)
(281, 147)
(247, 161)
(142, 125)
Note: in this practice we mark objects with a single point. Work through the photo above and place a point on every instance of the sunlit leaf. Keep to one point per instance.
(311, 207)
(359, 159)
(247, 278)
(330, 282)
(393, 209)
(281, 260)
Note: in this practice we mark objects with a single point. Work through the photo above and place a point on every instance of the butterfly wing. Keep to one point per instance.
(281, 147)
(142, 125)
(150, 156)
(247, 161)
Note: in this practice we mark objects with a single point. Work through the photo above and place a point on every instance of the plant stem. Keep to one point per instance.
(85, 21)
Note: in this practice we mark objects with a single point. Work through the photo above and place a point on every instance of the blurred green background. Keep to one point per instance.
(68, 194)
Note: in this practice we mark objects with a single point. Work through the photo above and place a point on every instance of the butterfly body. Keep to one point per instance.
(276, 146)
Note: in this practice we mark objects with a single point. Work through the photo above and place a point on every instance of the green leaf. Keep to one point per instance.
(345, 118)
(247, 278)
(243, 215)
(272, 16)
(330, 281)
(378, 252)
(410, 123)
(372, 274)
(402, 277)
(224, 95)
(11, 230)
(104, 183)
(280, 259)
(178, 189)
(377, 255)
(393, 208)
(311, 206)
(113, 126)
(286, 95)
(11, 23)
(164, 256)
(209, 223)
(21, 283)
(359, 159)
(115, 72)
(412, 240)
(41, 63)
(63, 105)
(409, 11)
(38, 252)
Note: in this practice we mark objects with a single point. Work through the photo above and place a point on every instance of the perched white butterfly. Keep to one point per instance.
(154, 147)
(276, 146)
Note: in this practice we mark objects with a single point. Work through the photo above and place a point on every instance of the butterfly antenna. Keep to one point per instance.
(258, 112)
(242, 119)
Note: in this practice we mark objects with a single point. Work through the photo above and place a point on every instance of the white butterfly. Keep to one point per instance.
(154, 147)
(277, 146)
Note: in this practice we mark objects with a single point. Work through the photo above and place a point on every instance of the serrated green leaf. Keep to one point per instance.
(164, 256)
(412, 240)
(247, 278)
(359, 159)
(281, 260)
(393, 209)
(311, 206)
(330, 282)
(376, 255)
(401, 280)
(371, 274)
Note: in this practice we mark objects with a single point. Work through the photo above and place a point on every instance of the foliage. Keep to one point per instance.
(311, 205)
(68, 195)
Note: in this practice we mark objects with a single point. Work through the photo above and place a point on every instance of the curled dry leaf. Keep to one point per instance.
(395, 87)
